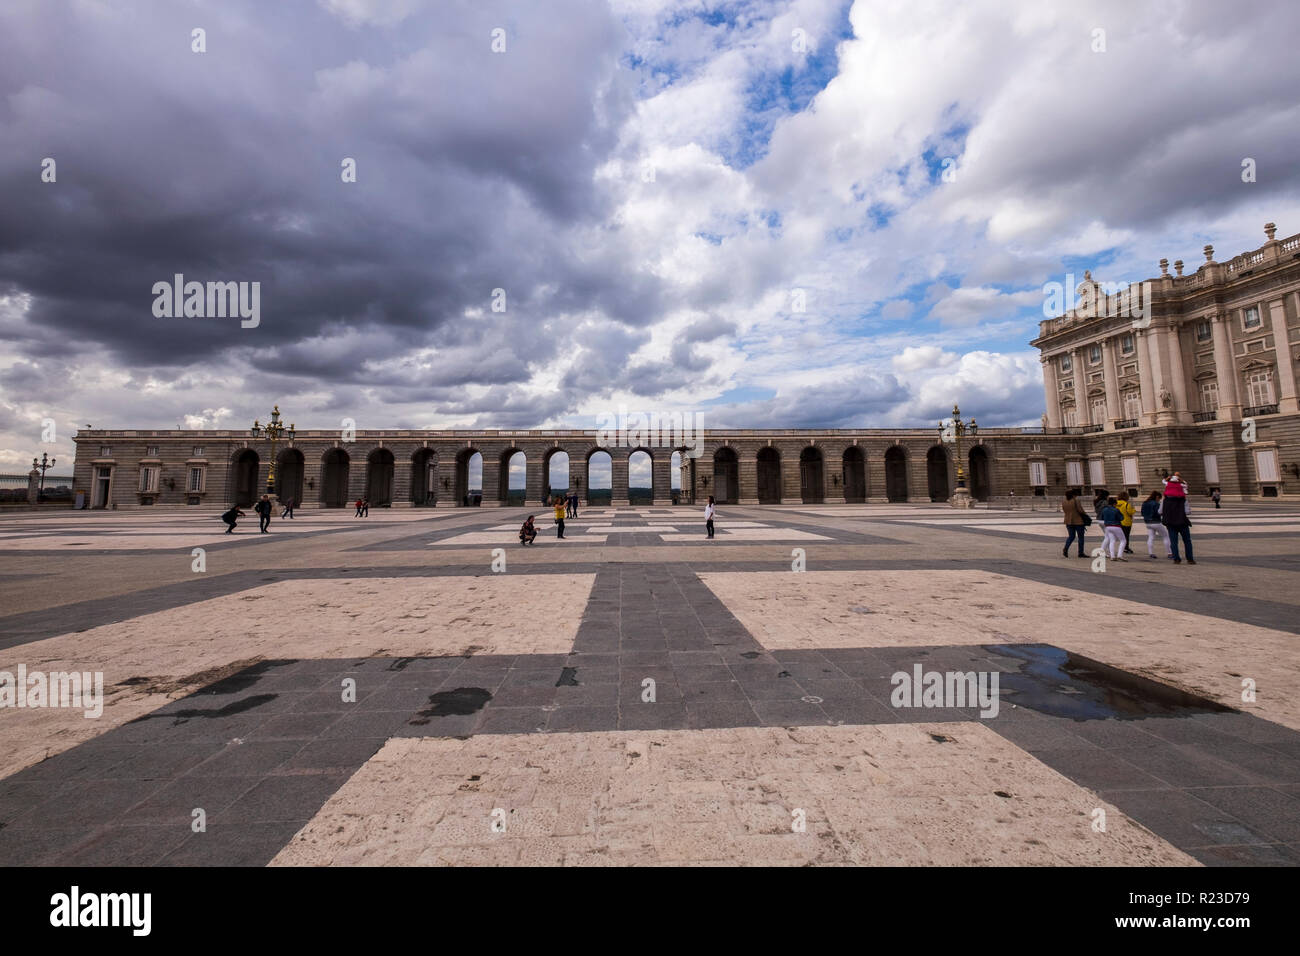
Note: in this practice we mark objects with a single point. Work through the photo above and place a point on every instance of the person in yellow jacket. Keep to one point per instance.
(1127, 510)
(559, 516)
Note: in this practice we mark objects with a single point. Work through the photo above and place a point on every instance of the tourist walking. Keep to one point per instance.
(264, 509)
(365, 507)
(1215, 497)
(1113, 521)
(709, 512)
(528, 533)
(288, 509)
(358, 514)
(573, 505)
(1127, 510)
(1151, 517)
(230, 517)
(559, 517)
(1174, 513)
(1099, 502)
(1076, 522)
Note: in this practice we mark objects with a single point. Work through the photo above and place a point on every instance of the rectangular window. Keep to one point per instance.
(1096, 472)
(151, 451)
(105, 451)
(1211, 469)
(1204, 332)
(1069, 416)
(1133, 405)
(196, 479)
(1209, 396)
(1250, 318)
(1099, 411)
(1066, 363)
(148, 480)
(1259, 385)
(197, 451)
(1094, 354)
(1266, 464)
(1074, 473)
(1129, 465)
(1126, 344)
(1038, 472)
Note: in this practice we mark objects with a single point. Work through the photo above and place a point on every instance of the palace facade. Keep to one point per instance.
(1189, 372)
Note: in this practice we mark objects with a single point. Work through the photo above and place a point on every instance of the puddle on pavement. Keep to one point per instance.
(1056, 682)
(452, 703)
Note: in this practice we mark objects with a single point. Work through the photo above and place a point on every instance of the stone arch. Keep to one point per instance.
(726, 476)
(246, 466)
(561, 488)
(896, 473)
(980, 488)
(380, 468)
(812, 476)
(769, 476)
(506, 467)
(424, 472)
(464, 465)
(289, 466)
(854, 475)
(936, 473)
(335, 464)
(640, 477)
(600, 489)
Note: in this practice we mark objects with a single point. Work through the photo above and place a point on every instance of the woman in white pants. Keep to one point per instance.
(1151, 516)
(1113, 519)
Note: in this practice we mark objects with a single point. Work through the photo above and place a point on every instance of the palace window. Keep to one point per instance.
(1132, 404)
(1129, 467)
(1126, 344)
(1099, 411)
(1097, 472)
(148, 480)
(1074, 473)
(151, 451)
(1094, 354)
(1266, 464)
(1066, 363)
(197, 451)
(1211, 469)
(1259, 386)
(1069, 417)
(1209, 396)
(1250, 318)
(1038, 473)
(105, 451)
(196, 480)
(1204, 332)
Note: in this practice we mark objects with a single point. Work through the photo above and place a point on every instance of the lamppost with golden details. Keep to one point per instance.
(952, 430)
(274, 431)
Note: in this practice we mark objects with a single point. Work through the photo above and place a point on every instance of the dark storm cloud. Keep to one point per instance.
(225, 166)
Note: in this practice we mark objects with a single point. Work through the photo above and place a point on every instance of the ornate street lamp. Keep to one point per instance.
(952, 430)
(45, 462)
(274, 431)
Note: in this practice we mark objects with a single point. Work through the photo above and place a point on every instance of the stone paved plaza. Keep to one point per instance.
(505, 717)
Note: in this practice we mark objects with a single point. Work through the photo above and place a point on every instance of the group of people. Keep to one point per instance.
(263, 508)
(1165, 516)
(363, 508)
(566, 506)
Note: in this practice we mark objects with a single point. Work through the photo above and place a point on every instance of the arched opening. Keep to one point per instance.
(512, 479)
(469, 478)
(600, 479)
(640, 478)
(424, 465)
(854, 475)
(379, 478)
(334, 478)
(812, 478)
(246, 486)
(675, 476)
(936, 473)
(896, 474)
(288, 475)
(726, 476)
(769, 476)
(556, 472)
(979, 474)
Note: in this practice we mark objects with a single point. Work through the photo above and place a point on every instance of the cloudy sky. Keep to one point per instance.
(774, 212)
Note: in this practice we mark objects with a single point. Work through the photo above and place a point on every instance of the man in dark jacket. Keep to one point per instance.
(264, 509)
(1173, 515)
(230, 517)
